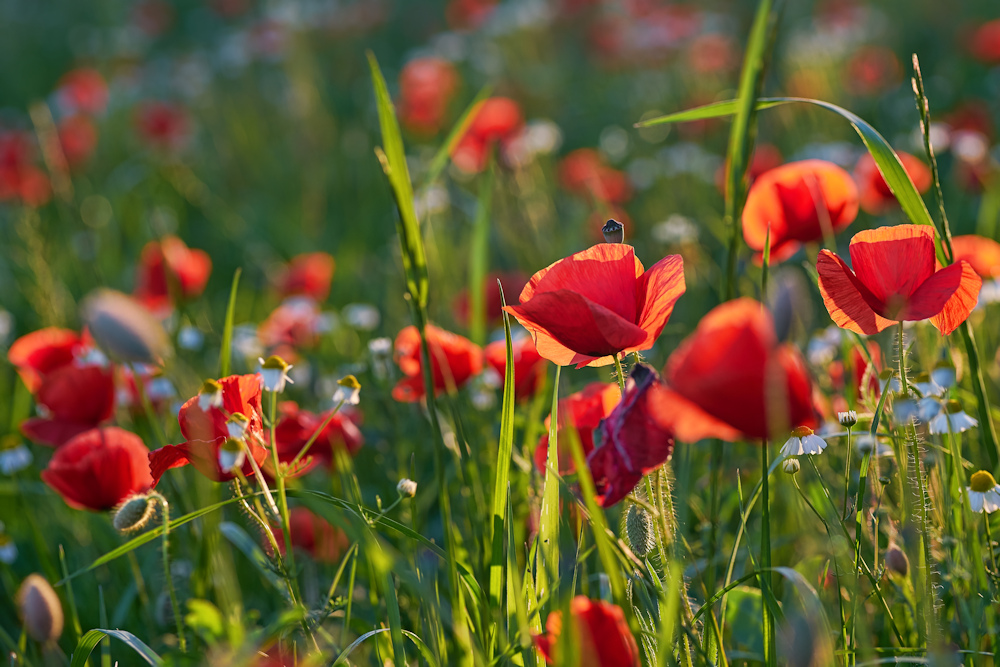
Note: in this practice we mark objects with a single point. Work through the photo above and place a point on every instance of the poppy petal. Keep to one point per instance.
(844, 297)
(688, 421)
(892, 262)
(961, 303)
(167, 457)
(659, 289)
(53, 432)
(933, 294)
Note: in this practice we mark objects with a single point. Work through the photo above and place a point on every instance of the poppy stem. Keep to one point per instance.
(902, 361)
(279, 476)
(621, 374)
(847, 473)
(770, 658)
(174, 605)
(314, 436)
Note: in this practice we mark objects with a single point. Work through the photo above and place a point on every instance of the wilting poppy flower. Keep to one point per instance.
(895, 278)
(169, 267)
(985, 43)
(731, 379)
(454, 360)
(40, 352)
(308, 274)
(72, 399)
(876, 197)
(512, 283)
(635, 439)
(597, 303)
(871, 70)
(295, 323)
(99, 468)
(604, 636)
(206, 431)
(980, 252)
(78, 137)
(529, 366)
(426, 86)
(583, 411)
(83, 90)
(494, 122)
(296, 426)
(313, 535)
(584, 172)
(162, 125)
(800, 201)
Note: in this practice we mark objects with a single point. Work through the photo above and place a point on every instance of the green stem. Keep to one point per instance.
(770, 658)
(286, 526)
(178, 615)
(314, 436)
(989, 543)
(847, 473)
(902, 363)
(621, 375)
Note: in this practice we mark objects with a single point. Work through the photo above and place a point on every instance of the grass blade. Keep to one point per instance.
(548, 529)
(440, 160)
(225, 355)
(479, 253)
(89, 642)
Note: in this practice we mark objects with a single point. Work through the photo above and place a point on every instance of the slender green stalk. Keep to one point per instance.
(847, 471)
(279, 476)
(989, 544)
(770, 657)
(621, 375)
(174, 604)
(315, 435)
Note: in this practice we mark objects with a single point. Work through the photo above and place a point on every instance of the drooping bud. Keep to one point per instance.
(210, 395)
(41, 611)
(349, 391)
(896, 560)
(406, 488)
(614, 232)
(134, 513)
(639, 529)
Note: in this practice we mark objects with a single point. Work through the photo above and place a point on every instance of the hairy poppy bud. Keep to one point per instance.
(41, 611)
(614, 232)
(639, 528)
(896, 560)
(134, 514)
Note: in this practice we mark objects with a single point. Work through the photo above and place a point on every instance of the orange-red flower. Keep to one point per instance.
(454, 360)
(206, 431)
(426, 86)
(529, 366)
(871, 69)
(169, 268)
(494, 122)
(582, 411)
(635, 439)
(309, 274)
(604, 636)
(83, 90)
(294, 323)
(40, 352)
(732, 379)
(801, 201)
(876, 197)
(584, 172)
(985, 43)
(895, 278)
(99, 468)
(597, 303)
(982, 253)
(19, 179)
(859, 369)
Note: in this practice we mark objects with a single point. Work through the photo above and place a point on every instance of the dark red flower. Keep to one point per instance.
(469, 14)
(73, 398)
(162, 125)
(313, 535)
(583, 411)
(875, 195)
(731, 379)
(511, 281)
(78, 137)
(529, 366)
(296, 426)
(895, 278)
(83, 91)
(295, 323)
(169, 268)
(40, 352)
(206, 432)
(635, 439)
(19, 179)
(982, 253)
(426, 86)
(584, 172)
(604, 636)
(495, 121)
(99, 468)
(454, 360)
(985, 42)
(308, 274)
(597, 303)
(801, 201)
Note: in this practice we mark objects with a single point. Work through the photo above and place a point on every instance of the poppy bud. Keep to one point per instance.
(123, 329)
(896, 560)
(639, 529)
(614, 232)
(134, 514)
(41, 611)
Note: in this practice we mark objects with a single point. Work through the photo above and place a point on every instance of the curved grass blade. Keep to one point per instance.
(89, 642)
(440, 160)
(225, 355)
(417, 641)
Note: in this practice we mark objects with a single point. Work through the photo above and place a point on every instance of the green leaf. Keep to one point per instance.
(425, 652)
(548, 529)
(89, 642)
(479, 256)
(225, 355)
(440, 160)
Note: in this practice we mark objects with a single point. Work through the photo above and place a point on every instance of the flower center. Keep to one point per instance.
(951, 407)
(801, 431)
(982, 481)
(275, 362)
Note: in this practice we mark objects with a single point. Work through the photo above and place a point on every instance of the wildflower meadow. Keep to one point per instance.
(594, 333)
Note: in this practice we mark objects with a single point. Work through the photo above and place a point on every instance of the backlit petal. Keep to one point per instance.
(892, 262)
(843, 295)
(167, 457)
(961, 303)
(659, 289)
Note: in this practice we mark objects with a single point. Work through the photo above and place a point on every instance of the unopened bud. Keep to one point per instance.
(896, 560)
(41, 611)
(406, 488)
(848, 419)
(134, 513)
(639, 529)
(614, 232)
(791, 465)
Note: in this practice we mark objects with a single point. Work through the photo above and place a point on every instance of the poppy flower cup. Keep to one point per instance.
(896, 278)
(731, 379)
(801, 202)
(529, 366)
(454, 360)
(605, 639)
(40, 352)
(170, 265)
(597, 303)
(309, 274)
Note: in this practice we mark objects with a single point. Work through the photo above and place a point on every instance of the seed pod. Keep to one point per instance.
(639, 529)
(896, 560)
(41, 611)
(614, 232)
(134, 513)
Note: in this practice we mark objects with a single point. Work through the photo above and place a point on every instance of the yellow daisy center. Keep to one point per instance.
(982, 481)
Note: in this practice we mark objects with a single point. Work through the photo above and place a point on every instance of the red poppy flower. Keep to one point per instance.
(584, 172)
(798, 200)
(162, 125)
(985, 43)
(426, 86)
(896, 278)
(72, 399)
(599, 302)
(294, 323)
(584, 411)
(295, 426)
(99, 468)
(454, 360)
(78, 137)
(731, 379)
(871, 70)
(83, 90)
(313, 535)
(40, 352)
(859, 366)
(494, 121)
(982, 253)
(876, 197)
(309, 274)
(169, 263)
(469, 14)
(512, 283)
(604, 636)
(206, 432)
(19, 179)
(529, 366)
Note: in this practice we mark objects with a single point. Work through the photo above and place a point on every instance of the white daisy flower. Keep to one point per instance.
(8, 550)
(210, 395)
(905, 408)
(231, 455)
(952, 418)
(406, 488)
(803, 441)
(944, 375)
(984, 492)
(274, 372)
(237, 425)
(889, 379)
(14, 459)
(348, 391)
(926, 386)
